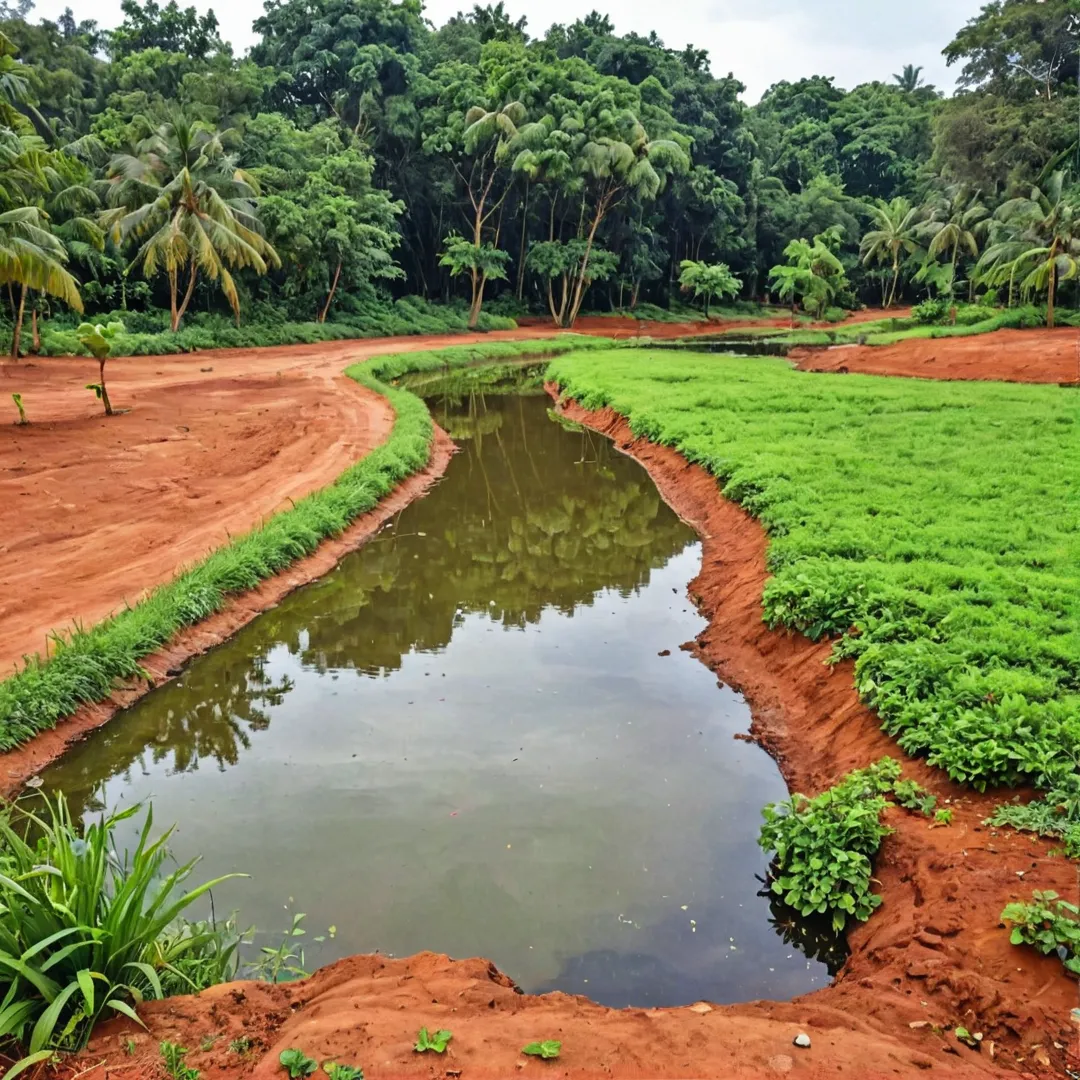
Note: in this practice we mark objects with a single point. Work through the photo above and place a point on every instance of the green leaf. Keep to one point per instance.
(547, 1049)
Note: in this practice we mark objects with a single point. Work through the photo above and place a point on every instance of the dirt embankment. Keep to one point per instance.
(1035, 356)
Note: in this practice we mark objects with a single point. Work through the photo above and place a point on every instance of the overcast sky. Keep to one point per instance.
(761, 41)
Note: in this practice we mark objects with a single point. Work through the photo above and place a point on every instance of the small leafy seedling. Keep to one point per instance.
(437, 1041)
(913, 796)
(97, 340)
(547, 1049)
(297, 1063)
(342, 1072)
(175, 1066)
(968, 1038)
(943, 817)
(208, 1042)
(129, 1047)
(1049, 924)
(241, 1045)
(22, 421)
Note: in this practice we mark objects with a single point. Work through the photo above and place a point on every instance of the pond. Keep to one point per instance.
(478, 735)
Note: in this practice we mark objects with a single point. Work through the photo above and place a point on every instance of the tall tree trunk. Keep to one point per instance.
(174, 322)
(1050, 295)
(187, 296)
(35, 334)
(16, 336)
(895, 280)
(579, 287)
(333, 289)
(524, 240)
(634, 295)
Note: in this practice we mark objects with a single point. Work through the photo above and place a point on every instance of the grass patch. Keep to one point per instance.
(931, 529)
(86, 665)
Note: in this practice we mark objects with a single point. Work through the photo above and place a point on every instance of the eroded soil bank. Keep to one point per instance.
(932, 957)
(1035, 356)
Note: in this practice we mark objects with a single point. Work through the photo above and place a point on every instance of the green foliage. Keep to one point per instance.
(715, 281)
(943, 816)
(337, 1071)
(436, 1041)
(824, 846)
(931, 312)
(813, 273)
(22, 421)
(172, 1057)
(240, 1046)
(297, 1064)
(97, 339)
(913, 796)
(84, 934)
(1048, 923)
(285, 961)
(928, 528)
(548, 1049)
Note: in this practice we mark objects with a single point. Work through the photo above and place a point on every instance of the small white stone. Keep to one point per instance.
(802, 1040)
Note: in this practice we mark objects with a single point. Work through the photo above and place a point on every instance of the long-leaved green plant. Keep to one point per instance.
(88, 932)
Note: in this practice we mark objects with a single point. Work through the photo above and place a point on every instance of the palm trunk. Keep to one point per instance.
(524, 240)
(895, 280)
(187, 297)
(35, 335)
(16, 336)
(333, 289)
(1050, 298)
(174, 322)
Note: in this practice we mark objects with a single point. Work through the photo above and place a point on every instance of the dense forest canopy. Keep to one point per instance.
(358, 154)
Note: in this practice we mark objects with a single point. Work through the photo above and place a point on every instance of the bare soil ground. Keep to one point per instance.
(1036, 356)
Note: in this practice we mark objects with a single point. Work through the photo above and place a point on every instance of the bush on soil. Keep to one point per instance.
(1049, 924)
(932, 529)
(825, 846)
(85, 665)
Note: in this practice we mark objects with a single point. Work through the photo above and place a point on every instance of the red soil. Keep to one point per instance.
(1035, 356)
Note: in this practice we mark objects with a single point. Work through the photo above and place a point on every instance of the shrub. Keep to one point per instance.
(1049, 924)
(931, 312)
(824, 846)
(85, 934)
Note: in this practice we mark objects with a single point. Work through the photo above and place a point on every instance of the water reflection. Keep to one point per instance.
(478, 735)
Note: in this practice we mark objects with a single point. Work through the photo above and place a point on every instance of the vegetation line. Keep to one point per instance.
(85, 665)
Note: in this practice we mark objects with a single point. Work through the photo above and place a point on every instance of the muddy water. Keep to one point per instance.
(479, 736)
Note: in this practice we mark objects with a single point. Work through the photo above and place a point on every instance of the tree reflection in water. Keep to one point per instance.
(527, 518)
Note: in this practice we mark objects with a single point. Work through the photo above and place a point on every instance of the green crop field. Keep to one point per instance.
(932, 528)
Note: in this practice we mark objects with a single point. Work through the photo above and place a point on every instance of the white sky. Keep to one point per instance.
(761, 42)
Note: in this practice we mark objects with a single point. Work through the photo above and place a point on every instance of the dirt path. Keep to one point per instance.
(1036, 356)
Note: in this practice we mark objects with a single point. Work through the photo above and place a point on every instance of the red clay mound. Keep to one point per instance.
(1035, 356)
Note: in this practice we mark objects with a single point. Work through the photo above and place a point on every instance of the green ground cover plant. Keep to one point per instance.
(435, 1041)
(931, 529)
(1048, 924)
(825, 846)
(84, 665)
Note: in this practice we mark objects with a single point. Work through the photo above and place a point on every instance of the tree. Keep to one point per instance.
(896, 235)
(554, 260)
(1038, 244)
(958, 222)
(148, 25)
(191, 206)
(813, 274)
(708, 281)
(482, 262)
(910, 79)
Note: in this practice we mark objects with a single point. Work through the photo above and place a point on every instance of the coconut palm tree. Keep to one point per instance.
(958, 223)
(31, 257)
(910, 79)
(193, 209)
(897, 234)
(1038, 242)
